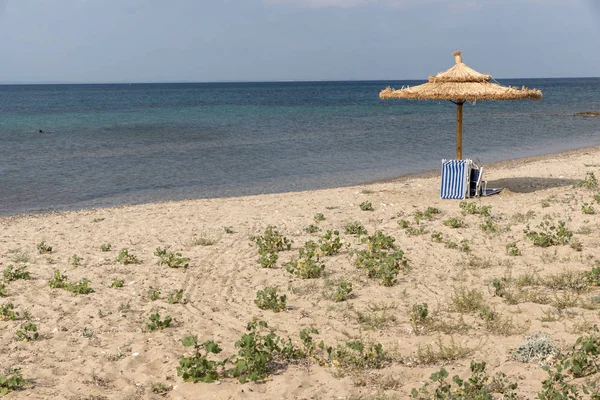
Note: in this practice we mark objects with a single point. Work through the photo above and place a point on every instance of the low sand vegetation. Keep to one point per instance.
(478, 290)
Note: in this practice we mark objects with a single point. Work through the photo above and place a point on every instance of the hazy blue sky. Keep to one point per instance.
(263, 40)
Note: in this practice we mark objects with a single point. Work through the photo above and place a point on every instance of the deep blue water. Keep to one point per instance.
(126, 144)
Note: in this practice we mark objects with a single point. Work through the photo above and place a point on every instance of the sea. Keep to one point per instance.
(115, 144)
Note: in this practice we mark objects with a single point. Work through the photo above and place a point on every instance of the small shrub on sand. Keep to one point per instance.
(197, 367)
(3, 290)
(104, 247)
(312, 229)
(117, 283)
(308, 264)
(19, 256)
(171, 259)
(153, 294)
(267, 299)
(330, 243)
(366, 206)
(437, 237)
(580, 361)
(467, 300)
(125, 257)
(549, 234)
(589, 182)
(8, 313)
(11, 380)
(343, 291)
(156, 323)
(27, 332)
(479, 386)
(488, 226)
(471, 208)
(60, 281)
(454, 223)
(259, 352)
(177, 297)
(355, 228)
(12, 273)
(419, 318)
(43, 248)
(204, 240)
(538, 348)
(381, 259)
(427, 214)
(319, 217)
(358, 355)
(429, 355)
(588, 209)
(512, 249)
(160, 388)
(269, 245)
(75, 260)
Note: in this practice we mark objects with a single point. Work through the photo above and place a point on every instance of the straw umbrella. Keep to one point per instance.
(460, 84)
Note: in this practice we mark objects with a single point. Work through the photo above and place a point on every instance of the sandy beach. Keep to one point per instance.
(483, 298)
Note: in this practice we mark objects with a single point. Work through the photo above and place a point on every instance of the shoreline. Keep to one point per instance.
(489, 167)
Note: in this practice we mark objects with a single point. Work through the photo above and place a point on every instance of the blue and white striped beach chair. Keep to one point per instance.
(461, 179)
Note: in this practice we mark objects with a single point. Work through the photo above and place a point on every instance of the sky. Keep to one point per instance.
(81, 41)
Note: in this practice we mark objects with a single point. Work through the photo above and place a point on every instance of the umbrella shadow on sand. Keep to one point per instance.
(531, 184)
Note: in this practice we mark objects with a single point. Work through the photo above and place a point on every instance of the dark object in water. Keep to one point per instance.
(41, 131)
(587, 114)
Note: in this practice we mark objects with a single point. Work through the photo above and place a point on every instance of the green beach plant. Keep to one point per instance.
(512, 249)
(269, 245)
(366, 206)
(258, 353)
(308, 265)
(11, 380)
(8, 313)
(382, 259)
(43, 248)
(60, 281)
(454, 223)
(355, 228)
(319, 217)
(176, 297)
(472, 208)
(27, 332)
(153, 294)
(267, 299)
(197, 367)
(171, 259)
(588, 209)
(12, 273)
(312, 229)
(105, 247)
(549, 234)
(125, 257)
(75, 260)
(117, 283)
(156, 323)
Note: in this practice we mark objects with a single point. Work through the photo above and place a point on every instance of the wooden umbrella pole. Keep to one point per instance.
(459, 105)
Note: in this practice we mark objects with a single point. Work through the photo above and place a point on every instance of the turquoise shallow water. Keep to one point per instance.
(126, 144)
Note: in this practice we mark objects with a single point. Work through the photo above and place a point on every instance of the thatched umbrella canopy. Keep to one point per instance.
(459, 84)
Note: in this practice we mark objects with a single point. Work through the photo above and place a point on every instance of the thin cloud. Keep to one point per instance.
(336, 3)
(397, 3)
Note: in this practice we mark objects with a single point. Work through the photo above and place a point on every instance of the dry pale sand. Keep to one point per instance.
(94, 346)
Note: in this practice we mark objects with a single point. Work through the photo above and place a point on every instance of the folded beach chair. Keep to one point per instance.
(461, 179)
(476, 188)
